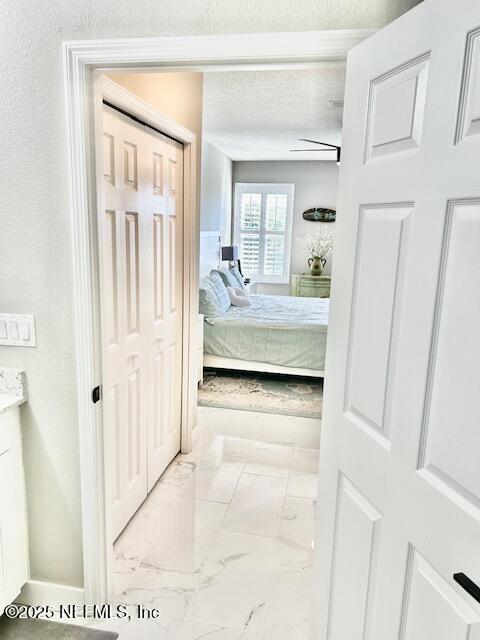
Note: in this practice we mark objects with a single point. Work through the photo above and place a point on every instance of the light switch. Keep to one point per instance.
(13, 330)
(24, 330)
(17, 330)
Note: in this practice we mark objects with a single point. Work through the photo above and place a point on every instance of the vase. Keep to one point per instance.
(316, 265)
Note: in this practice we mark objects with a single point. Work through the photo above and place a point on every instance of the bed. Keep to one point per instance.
(278, 334)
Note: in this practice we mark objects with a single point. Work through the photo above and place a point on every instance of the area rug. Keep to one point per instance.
(264, 392)
(23, 629)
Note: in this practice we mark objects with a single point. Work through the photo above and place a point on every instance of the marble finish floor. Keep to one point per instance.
(222, 545)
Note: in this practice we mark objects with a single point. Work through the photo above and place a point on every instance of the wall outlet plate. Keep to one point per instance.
(18, 330)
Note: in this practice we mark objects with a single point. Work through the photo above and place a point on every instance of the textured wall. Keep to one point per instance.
(315, 186)
(35, 244)
(216, 198)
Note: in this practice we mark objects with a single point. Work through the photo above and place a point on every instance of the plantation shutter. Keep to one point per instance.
(263, 228)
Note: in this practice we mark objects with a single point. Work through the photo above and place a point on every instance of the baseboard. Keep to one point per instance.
(38, 593)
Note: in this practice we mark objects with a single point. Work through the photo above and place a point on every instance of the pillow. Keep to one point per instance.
(236, 273)
(238, 297)
(214, 298)
(229, 280)
(240, 292)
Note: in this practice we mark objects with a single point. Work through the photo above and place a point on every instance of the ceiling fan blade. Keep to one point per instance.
(325, 144)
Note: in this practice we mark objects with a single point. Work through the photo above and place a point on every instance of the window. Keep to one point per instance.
(263, 230)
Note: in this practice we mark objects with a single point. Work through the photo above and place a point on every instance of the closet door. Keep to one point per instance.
(164, 352)
(141, 252)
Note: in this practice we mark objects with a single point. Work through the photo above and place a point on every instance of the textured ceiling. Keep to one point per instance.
(259, 115)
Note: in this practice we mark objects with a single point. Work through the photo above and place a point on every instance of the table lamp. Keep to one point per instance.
(230, 254)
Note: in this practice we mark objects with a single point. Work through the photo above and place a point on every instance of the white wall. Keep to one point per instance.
(216, 192)
(35, 234)
(315, 186)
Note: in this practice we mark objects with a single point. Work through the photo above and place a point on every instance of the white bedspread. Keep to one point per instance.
(282, 330)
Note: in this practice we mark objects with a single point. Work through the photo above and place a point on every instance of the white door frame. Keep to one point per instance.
(82, 62)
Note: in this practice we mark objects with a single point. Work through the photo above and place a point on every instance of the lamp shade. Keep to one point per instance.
(230, 253)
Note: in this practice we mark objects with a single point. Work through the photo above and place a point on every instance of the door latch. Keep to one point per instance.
(96, 394)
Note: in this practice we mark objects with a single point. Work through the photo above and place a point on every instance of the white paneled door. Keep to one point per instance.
(141, 232)
(399, 487)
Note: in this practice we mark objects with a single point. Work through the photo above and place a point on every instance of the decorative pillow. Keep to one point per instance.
(238, 297)
(240, 292)
(235, 272)
(214, 298)
(229, 280)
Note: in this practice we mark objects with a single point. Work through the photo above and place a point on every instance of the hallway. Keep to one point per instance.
(222, 545)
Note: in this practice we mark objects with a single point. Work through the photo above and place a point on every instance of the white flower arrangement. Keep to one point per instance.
(320, 244)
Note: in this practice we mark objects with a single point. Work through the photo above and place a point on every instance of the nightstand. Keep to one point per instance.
(251, 287)
(307, 286)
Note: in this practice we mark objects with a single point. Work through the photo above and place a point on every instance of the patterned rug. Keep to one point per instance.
(265, 392)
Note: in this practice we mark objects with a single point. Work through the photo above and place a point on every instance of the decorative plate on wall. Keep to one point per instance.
(320, 214)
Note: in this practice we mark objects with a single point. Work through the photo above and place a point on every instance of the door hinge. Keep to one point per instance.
(96, 394)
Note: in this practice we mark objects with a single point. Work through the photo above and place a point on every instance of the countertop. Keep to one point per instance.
(13, 390)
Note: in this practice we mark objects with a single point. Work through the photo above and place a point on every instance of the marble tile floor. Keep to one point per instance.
(222, 545)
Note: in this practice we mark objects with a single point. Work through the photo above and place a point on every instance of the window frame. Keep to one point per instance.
(264, 188)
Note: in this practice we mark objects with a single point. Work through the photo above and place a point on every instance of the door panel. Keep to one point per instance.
(401, 415)
(357, 536)
(166, 187)
(382, 247)
(469, 114)
(452, 395)
(137, 262)
(158, 257)
(448, 617)
(123, 327)
(396, 108)
(132, 259)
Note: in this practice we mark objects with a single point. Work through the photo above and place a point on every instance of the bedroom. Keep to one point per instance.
(257, 185)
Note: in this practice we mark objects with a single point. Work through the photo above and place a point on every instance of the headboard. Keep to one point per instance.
(210, 255)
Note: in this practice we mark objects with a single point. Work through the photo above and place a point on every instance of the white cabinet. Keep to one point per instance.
(13, 523)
